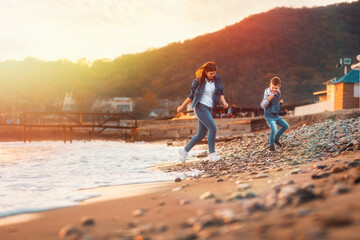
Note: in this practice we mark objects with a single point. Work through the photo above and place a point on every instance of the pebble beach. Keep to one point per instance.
(308, 189)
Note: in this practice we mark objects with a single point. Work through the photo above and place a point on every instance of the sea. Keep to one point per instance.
(40, 176)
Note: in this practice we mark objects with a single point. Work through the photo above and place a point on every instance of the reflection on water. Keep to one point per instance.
(45, 175)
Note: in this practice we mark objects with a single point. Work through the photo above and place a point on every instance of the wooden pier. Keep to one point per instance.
(97, 122)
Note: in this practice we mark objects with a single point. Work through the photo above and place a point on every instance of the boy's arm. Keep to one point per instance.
(267, 98)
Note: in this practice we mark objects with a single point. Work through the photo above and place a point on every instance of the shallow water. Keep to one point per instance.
(39, 176)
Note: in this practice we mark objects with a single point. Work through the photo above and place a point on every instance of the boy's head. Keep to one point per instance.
(275, 84)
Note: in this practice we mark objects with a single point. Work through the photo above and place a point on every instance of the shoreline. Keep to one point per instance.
(105, 194)
(163, 209)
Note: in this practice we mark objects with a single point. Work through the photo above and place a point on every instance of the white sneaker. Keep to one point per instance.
(213, 157)
(183, 155)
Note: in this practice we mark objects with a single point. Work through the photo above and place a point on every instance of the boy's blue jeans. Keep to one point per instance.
(206, 123)
(272, 122)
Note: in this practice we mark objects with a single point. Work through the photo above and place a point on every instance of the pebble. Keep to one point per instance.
(336, 221)
(161, 227)
(188, 236)
(227, 215)
(305, 144)
(288, 191)
(138, 212)
(340, 188)
(250, 195)
(184, 202)
(68, 230)
(320, 175)
(207, 195)
(234, 196)
(337, 169)
(261, 175)
(316, 233)
(177, 180)
(203, 154)
(243, 186)
(320, 166)
(295, 171)
(220, 180)
(87, 221)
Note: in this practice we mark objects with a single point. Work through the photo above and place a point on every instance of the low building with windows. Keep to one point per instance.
(342, 93)
(114, 105)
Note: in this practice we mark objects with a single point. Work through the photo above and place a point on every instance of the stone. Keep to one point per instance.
(234, 196)
(188, 236)
(227, 215)
(161, 227)
(288, 191)
(177, 189)
(336, 221)
(243, 186)
(337, 169)
(161, 204)
(87, 221)
(261, 175)
(320, 175)
(207, 195)
(316, 233)
(220, 180)
(319, 166)
(340, 188)
(202, 155)
(67, 231)
(255, 206)
(250, 195)
(216, 200)
(295, 171)
(177, 180)
(138, 212)
(184, 202)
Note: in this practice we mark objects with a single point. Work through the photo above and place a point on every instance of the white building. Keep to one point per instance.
(69, 104)
(114, 105)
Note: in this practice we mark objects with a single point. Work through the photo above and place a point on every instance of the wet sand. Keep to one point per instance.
(271, 207)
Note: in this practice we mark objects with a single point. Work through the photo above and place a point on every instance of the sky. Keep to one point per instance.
(105, 29)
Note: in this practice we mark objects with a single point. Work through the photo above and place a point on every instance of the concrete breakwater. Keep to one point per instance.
(152, 130)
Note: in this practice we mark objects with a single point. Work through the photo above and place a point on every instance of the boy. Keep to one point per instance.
(271, 105)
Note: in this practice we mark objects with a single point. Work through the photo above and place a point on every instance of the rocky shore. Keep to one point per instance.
(305, 144)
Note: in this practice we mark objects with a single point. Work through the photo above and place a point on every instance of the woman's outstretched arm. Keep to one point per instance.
(222, 100)
(182, 106)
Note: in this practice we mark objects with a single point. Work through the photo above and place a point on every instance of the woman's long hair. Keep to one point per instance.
(200, 72)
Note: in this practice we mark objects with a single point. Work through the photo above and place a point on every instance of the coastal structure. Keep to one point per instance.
(69, 104)
(114, 105)
(342, 93)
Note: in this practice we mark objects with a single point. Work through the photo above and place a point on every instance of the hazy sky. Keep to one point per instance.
(95, 29)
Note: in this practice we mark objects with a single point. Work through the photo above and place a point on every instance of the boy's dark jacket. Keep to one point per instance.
(272, 108)
(197, 91)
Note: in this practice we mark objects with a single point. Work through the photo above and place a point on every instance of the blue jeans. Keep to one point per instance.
(206, 123)
(272, 122)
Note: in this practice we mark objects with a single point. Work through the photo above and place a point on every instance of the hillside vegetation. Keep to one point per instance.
(302, 46)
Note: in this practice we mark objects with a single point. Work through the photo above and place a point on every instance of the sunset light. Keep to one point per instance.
(99, 29)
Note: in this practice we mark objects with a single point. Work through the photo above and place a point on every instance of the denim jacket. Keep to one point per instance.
(272, 108)
(197, 90)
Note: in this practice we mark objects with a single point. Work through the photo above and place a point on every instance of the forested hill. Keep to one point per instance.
(302, 46)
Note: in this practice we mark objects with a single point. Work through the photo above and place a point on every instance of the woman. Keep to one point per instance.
(205, 93)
